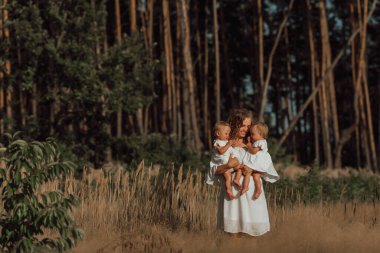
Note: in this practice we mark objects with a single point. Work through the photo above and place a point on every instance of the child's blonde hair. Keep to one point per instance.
(262, 128)
(219, 125)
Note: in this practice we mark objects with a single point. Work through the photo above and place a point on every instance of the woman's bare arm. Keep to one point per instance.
(232, 162)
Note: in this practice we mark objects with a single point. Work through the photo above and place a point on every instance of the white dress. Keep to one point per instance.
(220, 159)
(262, 162)
(242, 214)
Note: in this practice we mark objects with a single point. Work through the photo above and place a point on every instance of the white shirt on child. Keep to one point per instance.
(262, 162)
(219, 159)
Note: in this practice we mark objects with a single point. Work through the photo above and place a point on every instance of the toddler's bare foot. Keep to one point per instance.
(230, 194)
(237, 183)
(257, 193)
(244, 190)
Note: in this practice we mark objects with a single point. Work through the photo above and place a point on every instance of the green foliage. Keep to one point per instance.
(157, 148)
(27, 212)
(128, 71)
(59, 59)
(278, 153)
(313, 188)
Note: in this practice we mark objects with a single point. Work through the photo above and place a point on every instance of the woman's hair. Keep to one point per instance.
(219, 125)
(262, 128)
(236, 119)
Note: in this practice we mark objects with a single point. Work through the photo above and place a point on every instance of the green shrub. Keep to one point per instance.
(157, 149)
(27, 212)
(312, 188)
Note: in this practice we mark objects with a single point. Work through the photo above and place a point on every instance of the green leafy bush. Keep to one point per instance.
(26, 211)
(157, 148)
(313, 188)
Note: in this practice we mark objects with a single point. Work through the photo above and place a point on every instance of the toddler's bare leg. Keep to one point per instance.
(246, 180)
(238, 175)
(258, 190)
(228, 178)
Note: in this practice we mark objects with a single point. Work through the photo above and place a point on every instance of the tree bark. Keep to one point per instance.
(206, 118)
(1, 82)
(353, 67)
(313, 78)
(260, 41)
(9, 90)
(270, 61)
(169, 67)
(366, 93)
(189, 75)
(325, 102)
(119, 113)
(217, 62)
(324, 77)
(180, 105)
(226, 61)
(132, 15)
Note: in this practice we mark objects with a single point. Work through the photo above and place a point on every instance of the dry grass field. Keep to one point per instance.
(176, 212)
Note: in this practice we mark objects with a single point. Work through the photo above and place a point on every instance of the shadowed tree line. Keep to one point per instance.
(102, 76)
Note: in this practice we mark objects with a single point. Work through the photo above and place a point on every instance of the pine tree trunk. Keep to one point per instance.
(169, 67)
(119, 113)
(217, 62)
(1, 81)
(150, 12)
(185, 84)
(359, 89)
(226, 61)
(189, 75)
(180, 105)
(321, 80)
(313, 78)
(260, 42)
(366, 94)
(53, 107)
(356, 108)
(132, 15)
(164, 104)
(330, 88)
(206, 117)
(270, 61)
(325, 102)
(133, 27)
(9, 90)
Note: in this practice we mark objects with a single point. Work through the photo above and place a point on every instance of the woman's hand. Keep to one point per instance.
(232, 162)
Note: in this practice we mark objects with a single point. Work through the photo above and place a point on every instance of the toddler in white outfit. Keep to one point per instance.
(222, 149)
(258, 159)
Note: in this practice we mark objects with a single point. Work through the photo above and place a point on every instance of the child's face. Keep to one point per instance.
(255, 134)
(224, 133)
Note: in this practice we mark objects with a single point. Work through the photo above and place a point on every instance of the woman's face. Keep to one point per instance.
(244, 128)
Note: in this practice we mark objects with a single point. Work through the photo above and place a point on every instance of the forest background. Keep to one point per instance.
(132, 80)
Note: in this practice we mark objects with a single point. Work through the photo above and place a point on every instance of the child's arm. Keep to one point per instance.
(222, 150)
(253, 150)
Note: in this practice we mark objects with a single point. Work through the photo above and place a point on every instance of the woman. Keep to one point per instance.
(242, 214)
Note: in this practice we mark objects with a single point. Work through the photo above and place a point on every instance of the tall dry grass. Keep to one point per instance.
(176, 212)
